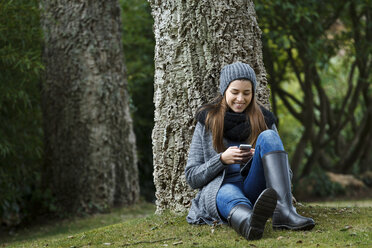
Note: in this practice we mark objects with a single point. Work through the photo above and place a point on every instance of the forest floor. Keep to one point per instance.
(338, 224)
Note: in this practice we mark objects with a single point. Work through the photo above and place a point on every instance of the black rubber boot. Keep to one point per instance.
(276, 169)
(250, 223)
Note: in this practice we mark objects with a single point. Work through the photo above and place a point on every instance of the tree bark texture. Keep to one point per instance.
(90, 155)
(194, 40)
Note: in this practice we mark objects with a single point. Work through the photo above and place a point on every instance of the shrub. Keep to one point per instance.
(21, 135)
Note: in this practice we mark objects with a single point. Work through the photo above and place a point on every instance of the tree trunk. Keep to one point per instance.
(90, 155)
(194, 40)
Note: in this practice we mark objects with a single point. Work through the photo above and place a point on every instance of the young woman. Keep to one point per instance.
(241, 187)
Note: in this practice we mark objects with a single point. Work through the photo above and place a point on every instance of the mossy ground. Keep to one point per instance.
(346, 224)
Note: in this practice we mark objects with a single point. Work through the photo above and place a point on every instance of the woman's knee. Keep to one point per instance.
(270, 137)
(269, 134)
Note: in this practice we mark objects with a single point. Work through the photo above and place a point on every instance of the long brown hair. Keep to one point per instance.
(216, 116)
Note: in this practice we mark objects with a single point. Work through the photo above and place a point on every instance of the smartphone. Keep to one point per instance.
(245, 147)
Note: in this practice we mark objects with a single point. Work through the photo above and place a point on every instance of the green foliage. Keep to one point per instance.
(318, 57)
(21, 146)
(139, 43)
(317, 184)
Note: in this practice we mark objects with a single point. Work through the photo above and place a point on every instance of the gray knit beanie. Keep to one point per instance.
(236, 71)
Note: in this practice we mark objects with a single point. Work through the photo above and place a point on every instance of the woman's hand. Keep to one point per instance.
(233, 155)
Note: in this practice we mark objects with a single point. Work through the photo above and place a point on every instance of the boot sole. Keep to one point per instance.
(305, 227)
(262, 210)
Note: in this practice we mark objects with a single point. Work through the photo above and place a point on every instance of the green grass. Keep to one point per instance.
(59, 229)
(337, 226)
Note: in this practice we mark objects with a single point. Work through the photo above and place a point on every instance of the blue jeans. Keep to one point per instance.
(247, 190)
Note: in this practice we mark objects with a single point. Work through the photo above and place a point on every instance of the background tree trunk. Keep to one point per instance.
(194, 40)
(90, 145)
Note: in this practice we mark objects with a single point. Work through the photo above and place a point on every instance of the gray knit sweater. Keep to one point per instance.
(204, 171)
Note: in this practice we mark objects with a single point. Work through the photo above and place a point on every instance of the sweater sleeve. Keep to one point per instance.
(199, 172)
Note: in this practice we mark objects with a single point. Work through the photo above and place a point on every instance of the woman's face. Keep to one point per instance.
(239, 95)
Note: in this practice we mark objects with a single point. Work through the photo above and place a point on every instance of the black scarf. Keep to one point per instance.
(236, 126)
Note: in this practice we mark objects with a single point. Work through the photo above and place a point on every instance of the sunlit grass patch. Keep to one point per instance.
(338, 203)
